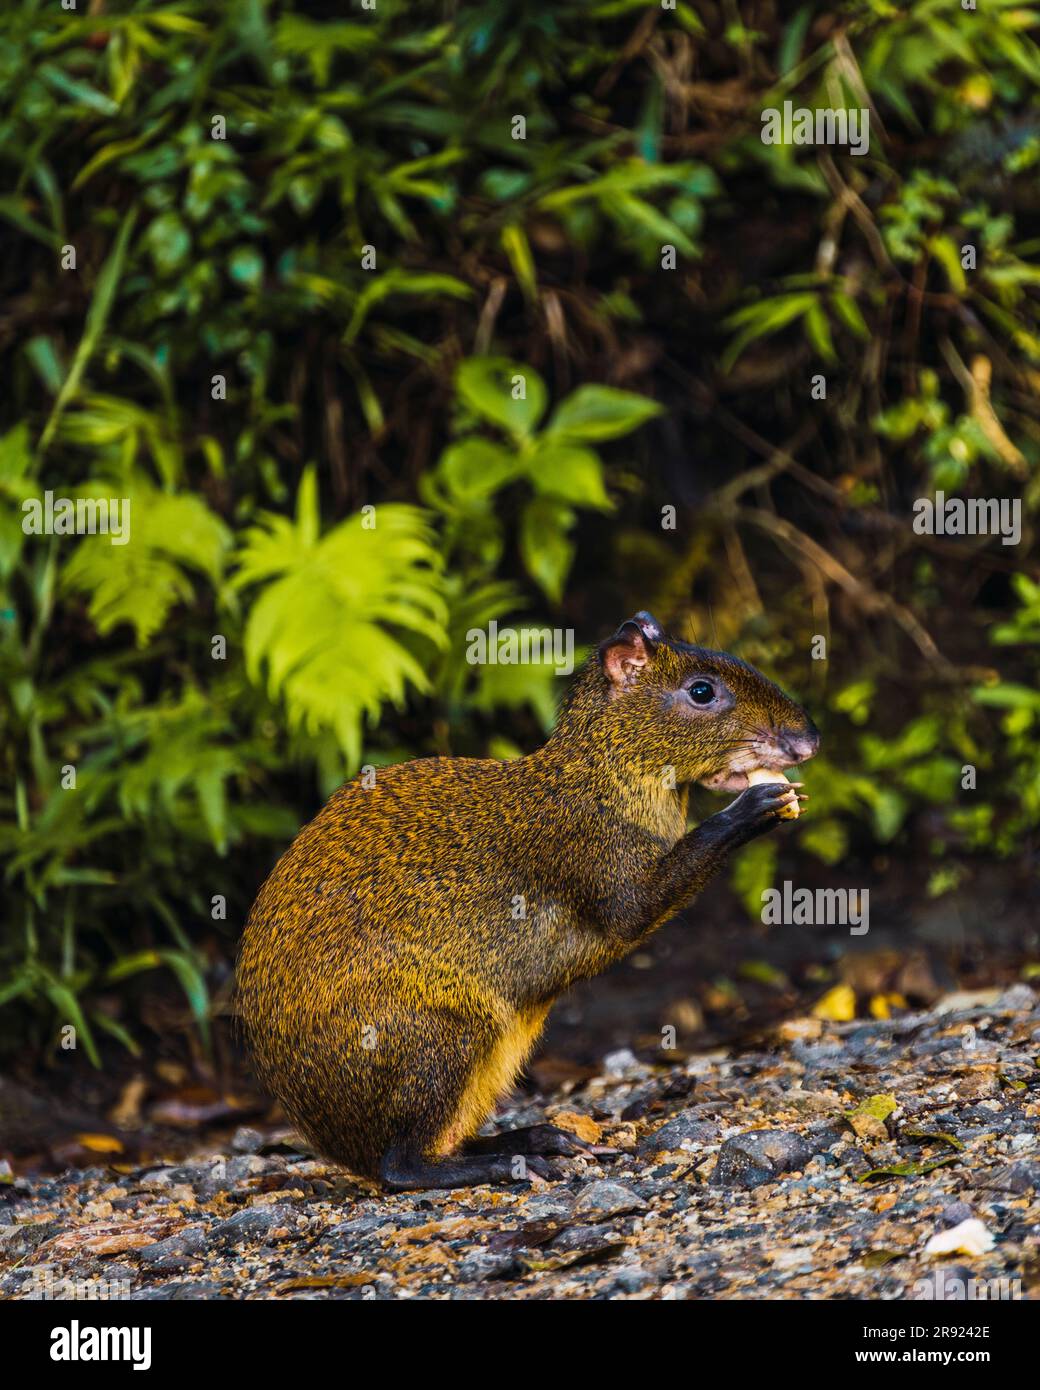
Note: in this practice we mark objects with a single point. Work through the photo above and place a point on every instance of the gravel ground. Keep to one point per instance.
(820, 1165)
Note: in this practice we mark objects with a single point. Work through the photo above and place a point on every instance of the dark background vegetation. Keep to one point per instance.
(647, 388)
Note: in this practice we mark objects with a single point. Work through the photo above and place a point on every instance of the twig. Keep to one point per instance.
(868, 598)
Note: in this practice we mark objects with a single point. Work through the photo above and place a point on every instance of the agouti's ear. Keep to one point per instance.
(648, 626)
(626, 653)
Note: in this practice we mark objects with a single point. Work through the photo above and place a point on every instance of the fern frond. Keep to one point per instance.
(320, 627)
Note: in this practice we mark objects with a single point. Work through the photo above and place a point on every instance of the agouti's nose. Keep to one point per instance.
(801, 743)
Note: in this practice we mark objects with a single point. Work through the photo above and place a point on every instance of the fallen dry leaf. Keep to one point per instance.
(99, 1143)
(126, 1113)
(868, 1118)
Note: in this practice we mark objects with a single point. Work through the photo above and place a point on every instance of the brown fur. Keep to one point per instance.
(398, 964)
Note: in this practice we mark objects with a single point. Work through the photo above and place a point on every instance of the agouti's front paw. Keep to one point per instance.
(762, 806)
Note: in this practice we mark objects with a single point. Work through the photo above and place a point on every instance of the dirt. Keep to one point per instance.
(819, 1161)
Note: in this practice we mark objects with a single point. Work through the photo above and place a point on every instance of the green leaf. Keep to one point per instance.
(932, 1136)
(877, 1107)
(505, 393)
(140, 581)
(68, 1009)
(827, 839)
(393, 282)
(546, 551)
(246, 267)
(818, 331)
(753, 873)
(168, 242)
(906, 1170)
(596, 413)
(101, 302)
(761, 320)
(568, 472)
(476, 468)
(193, 982)
(518, 249)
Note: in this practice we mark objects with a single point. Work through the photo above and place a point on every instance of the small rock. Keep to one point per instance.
(487, 1264)
(254, 1225)
(547, 1206)
(246, 1140)
(623, 1064)
(759, 1156)
(682, 1130)
(632, 1279)
(947, 1284)
(176, 1251)
(955, 1213)
(966, 999)
(1016, 997)
(576, 1239)
(968, 1238)
(347, 1233)
(1016, 1178)
(605, 1198)
(178, 1291)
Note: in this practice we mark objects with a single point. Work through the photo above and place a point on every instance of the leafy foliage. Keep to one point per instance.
(316, 272)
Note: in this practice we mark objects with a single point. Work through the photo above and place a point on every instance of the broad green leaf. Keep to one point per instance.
(505, 393)
(568, 472)
(596, 413)
(477, 468)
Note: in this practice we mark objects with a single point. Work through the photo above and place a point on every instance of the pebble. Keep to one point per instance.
(254, 1224)
(968, 1237)
(685, 1128)
(759, 1156)
(487, 1264)
(606, 1198)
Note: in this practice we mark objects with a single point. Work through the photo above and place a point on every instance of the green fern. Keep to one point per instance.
(320, 625)
(140, 582)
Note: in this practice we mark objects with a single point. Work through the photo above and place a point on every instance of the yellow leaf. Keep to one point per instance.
(881, 1005)
(838, 1004)
(99, 1143)
(868, 1118)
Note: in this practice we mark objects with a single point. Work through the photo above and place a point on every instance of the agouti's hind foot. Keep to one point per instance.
(534, 1139)
(403, 1172)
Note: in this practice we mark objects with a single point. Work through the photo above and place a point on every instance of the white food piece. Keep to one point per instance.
(969, 1238)
(792, 809)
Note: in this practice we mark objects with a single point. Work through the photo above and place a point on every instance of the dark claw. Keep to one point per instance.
(536, 1139)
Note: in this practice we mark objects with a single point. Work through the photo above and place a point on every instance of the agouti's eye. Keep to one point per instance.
(702, 693)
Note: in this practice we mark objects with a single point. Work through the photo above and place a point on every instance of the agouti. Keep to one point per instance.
(398, 965)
